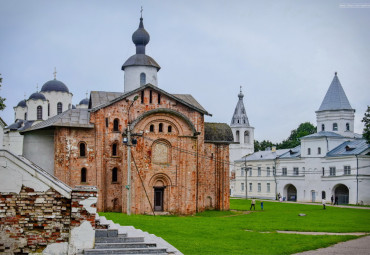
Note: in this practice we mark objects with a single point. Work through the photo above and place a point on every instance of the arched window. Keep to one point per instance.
(83, 174)
(246, 137)
(39, 112)
(59, 108)
(142, 79)
(237, 138)
(322, 127)
(347, 126)
(159, 98)
(319, 150)
(115, 124)
(160, 128)
(115, 174)
(25, 116)
(335, 127)
(114, 149)
(169, 129)
(151, 128)
(82, 149)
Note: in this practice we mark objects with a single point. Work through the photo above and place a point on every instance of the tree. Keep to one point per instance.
(293, 140)
(2, 105)
(366, 121)
(261, 146)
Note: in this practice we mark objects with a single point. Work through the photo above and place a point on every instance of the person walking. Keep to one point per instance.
(332, 199)
(336, 200)
(262, 205)
(324, 204)
(253, 204)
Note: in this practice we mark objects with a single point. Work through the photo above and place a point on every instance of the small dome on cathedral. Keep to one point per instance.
(73, 106)
(84, 101)
(141, 36)
(54, 85)
(22, 103)
(37, 96)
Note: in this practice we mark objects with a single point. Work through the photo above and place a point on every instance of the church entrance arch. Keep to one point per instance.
(161, 194)
(341, 192)
(290, 191)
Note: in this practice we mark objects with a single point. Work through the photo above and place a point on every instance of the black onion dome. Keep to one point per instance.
(141, 36)
(22, 103)
(84, 101)
(54, 85)
(37, 96)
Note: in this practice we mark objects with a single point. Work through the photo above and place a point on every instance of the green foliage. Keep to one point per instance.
(261, 146)
(215, 232)
(293, 140)
(366, 121)
(2, 105)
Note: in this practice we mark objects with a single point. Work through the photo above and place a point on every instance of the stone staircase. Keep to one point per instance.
(117, 239)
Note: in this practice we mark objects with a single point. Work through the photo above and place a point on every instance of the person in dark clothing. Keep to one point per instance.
(336, 200)
(262, 205)
(332, 199)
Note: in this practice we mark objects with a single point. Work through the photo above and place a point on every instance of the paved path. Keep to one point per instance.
(327, 204)
(360, 246)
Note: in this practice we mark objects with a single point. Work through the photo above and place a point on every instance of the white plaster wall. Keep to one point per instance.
(340, 117)
(132, 76)
(32, 109)
(82, 106)
(1, 136)
(314, 144)
(38, 146)
(19, 113)
(13, 142)
(54, 97)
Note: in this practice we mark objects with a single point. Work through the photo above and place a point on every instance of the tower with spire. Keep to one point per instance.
(243, 133)
(140, 69)
(335, 113)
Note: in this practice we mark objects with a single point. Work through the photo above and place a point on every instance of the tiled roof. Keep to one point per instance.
(348, 148)
(218, 132)
(335, 98)
(190, 100)
(264, 155)
(292, 153)
(70, 118)
(102, 97)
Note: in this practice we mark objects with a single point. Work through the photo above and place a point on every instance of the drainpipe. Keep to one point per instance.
(274, 172)
(357, 180)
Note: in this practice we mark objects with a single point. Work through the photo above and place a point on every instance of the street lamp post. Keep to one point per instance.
(129, 144)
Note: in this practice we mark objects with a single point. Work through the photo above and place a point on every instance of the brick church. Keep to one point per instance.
(176, 162)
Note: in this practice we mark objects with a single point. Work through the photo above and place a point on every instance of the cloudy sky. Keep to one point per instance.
(283, 53)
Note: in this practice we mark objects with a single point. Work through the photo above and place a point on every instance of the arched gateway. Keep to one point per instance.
(290, 191)
(342, 192)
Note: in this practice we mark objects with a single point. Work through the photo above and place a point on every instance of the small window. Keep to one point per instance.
(116, 125)
(83, 175)
(335, 127)
(242, 187)
(268, 171)
(114, 149)
(250, 186)
(323, 171)
(150, 97)
(259, 187)
(151, 128)
(25, 116)
(39, 112)
(319, 151)
(268, 187)
(347, 126)
(114, 175)
(106, 122)
(237, 136)
(347, 170)
(246, 136)
(259, 171)
(250, 171)
(59, 108)
(295, 170)
(142, 79)
(160, 127)
(242, 172)
(82, 149)
(142, 96)
(309, 151)
(48, 109)
(323, 195)
(284, 171)
(169, 129)
(332, 171)
(159, 98)
(322, 127)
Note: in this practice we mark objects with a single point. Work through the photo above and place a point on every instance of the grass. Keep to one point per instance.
(215, 232)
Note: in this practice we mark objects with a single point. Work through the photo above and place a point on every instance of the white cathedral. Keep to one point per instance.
(53, 99)
(332, 163)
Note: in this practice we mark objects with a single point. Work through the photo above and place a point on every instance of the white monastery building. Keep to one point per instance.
(334, 162)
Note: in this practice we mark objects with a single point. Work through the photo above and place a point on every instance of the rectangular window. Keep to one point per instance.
(319, 150)
(142, 96)
(150, 97)
(347, 170)
(309, 151)
(332, 171)
(285, 171)
(106, 122)
(323, 171)
(268, 187)
(268, 171)
(259, 171)
(242, 171)
(159, 98)
(274, 170)
(259, 187)
(295, 171)
(250, 171)
(242, 188)
(250, 186)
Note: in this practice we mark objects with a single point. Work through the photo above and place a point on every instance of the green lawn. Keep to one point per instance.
(215, 232)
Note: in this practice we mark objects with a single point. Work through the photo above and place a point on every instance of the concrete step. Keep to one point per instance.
(106, 233)
(124, 245)
(126, 251)
(119, 239)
